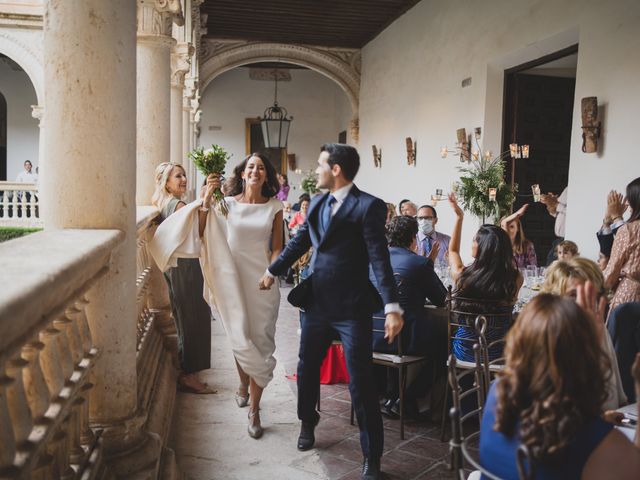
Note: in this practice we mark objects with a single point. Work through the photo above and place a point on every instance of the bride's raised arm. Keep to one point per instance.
(213, 183)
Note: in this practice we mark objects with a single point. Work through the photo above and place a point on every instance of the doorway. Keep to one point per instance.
(538, 111)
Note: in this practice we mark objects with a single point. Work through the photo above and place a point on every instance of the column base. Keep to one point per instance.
(141, 462)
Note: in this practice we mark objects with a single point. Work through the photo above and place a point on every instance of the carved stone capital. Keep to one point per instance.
(155, 17)
(37, 112)
(181, 54)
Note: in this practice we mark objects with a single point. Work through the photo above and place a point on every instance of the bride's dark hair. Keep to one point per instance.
(234, 184)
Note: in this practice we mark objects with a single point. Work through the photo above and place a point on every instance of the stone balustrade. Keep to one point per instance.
(47, 351)
(19, 205)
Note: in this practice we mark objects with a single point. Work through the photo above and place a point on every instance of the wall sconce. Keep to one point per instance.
(377, 157)
(291, 160)
(462, 145)
(492, 194)
(535, 189)
(411, 151)
(590, 124)
(434, 200)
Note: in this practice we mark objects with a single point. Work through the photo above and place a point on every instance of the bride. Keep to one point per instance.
(234, 252)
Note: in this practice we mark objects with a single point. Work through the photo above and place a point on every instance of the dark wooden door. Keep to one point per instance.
(538, 113)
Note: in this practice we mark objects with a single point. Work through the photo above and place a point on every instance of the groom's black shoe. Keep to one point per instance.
(307, 437)
(371, 469)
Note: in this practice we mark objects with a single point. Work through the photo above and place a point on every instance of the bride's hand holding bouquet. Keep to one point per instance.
(212, 162)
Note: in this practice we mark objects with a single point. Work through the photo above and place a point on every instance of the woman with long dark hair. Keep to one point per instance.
(235, 251)
(523, 250)
(493, 276)
(549, 397)
(623, 270)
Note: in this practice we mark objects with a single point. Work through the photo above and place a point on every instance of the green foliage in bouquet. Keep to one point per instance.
(478, 177)
(212, 160)
(310, 183)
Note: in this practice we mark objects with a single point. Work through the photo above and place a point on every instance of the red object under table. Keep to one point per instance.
(334, 366)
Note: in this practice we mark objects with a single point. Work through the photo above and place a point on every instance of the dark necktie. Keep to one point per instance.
(325, 218)
(426, 245)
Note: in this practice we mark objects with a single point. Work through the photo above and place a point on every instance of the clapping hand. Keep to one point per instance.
(587, 298)
(550, 200)
(616, 206)
(433, 254)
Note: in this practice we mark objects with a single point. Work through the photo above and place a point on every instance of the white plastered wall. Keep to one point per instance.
(411, 86)
(320, 110)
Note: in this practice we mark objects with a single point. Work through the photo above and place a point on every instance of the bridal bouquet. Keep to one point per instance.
(212, 160)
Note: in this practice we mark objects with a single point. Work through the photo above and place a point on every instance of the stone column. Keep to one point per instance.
(189, 93)
(89, 182)
(180, 65)
(153, 90)
(37, 112)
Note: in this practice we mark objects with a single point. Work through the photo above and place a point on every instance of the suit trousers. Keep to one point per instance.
(355, 334)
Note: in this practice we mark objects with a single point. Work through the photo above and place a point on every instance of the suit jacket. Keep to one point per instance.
(418, 283)
(340, 267)
(606, 240)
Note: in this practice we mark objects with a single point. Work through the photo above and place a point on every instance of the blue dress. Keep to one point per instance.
(465, 336)
(498, 452)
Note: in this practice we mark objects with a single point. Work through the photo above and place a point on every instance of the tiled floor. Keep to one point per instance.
(420, 455)
(210, 439)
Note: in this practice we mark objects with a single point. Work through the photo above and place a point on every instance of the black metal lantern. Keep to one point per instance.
(275, 123)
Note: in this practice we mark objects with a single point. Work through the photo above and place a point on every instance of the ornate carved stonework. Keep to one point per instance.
(284, 75)
(155, 17)
(354, 129)
(180, 63)
(340, 65)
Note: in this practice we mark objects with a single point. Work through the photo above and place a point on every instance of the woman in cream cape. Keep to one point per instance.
(234, 253)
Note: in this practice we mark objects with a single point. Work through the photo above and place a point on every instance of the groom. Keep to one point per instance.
(346, 229)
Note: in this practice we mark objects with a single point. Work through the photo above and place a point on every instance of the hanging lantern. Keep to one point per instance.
(275, 123)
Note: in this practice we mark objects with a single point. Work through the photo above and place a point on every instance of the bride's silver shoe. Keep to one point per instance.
(242, 400)
(255, 429)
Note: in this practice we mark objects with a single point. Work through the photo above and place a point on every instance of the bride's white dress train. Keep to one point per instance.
(234, 254)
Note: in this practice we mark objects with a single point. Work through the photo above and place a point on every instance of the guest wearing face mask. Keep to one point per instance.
(432, 244)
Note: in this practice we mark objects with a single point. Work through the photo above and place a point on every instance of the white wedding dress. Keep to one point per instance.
(234, 254)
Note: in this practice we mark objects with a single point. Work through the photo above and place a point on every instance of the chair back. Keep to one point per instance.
(463, 314)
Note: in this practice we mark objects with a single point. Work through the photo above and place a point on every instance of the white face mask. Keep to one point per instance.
(425, 226)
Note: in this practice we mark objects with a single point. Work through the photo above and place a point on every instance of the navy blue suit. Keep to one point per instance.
(419, 282)
(342, 302)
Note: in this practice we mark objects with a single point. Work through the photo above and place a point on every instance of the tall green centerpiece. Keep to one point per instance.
(482, 189)
(212, 161)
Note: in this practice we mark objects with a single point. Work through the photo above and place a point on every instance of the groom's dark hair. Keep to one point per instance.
(344, 155)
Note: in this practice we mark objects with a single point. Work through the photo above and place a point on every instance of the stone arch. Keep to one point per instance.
(27, 58)
(340, 66)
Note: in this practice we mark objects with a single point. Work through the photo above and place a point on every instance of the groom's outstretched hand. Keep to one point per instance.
(392, 325)
(265, 282)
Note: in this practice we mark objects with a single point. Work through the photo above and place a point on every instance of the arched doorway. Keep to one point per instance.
(3, 137)
(19, 130)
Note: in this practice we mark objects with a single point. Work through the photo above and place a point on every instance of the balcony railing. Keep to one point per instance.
(47, 352)
(19, 205)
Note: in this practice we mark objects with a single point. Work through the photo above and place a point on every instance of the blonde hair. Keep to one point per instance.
(161, 196)
(559, 273)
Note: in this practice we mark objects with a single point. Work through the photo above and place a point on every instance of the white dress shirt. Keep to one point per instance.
(561, 212)
(27, 177)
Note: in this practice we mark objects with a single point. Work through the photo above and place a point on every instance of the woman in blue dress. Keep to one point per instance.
(487, 286)
(549, 397)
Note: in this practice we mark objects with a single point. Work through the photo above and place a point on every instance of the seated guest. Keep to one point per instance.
(523, 250)
(549, 398)
(287, 214)
(300, 217)
(391, 212)
(612, 221)
(492, 278)
(409, 208)
(417, 282)
(563, 278)
(428, 238)
(402, 202)
(624, 328)
(567, 250)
